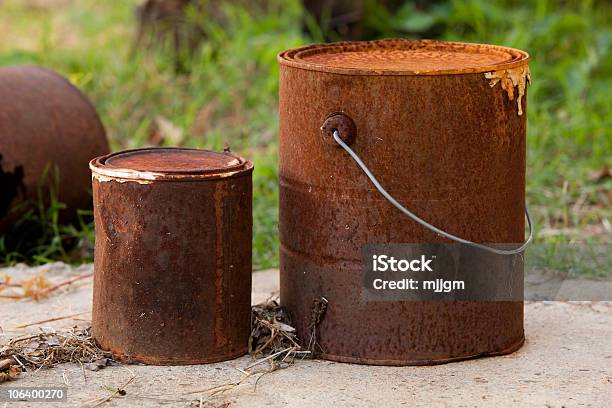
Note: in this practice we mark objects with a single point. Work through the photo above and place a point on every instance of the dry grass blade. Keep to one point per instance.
(115, 392)
(53, 288)
(270, 357)
(37, 288)
(54, 319)
(217, 391)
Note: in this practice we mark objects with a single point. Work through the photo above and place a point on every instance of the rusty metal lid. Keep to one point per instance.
(403, 57)
(169, 164)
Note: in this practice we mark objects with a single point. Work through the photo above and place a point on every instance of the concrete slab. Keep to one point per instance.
(566, 361)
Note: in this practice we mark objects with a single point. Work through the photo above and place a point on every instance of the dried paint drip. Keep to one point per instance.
(510, 78)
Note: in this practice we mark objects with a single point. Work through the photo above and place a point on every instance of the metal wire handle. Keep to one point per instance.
(424, 223)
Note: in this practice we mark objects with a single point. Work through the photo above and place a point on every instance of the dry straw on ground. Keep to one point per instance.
(275, 341)
(49, 348)
(273, 338)
(273, 344)
(36, 288)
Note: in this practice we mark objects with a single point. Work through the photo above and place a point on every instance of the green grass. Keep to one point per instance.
(228, 97)
(38, 236)
(569, 260)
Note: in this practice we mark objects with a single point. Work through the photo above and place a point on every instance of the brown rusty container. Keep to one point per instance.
(441, 125)
(47, 126)
(172, 282)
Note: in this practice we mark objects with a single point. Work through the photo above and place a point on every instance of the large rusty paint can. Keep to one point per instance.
(442, 127)
(47, 126)
(172, 281)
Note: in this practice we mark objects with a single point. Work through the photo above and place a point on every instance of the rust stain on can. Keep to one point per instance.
(219, 195)
(442, 141)
(47, 127)
(172, 282)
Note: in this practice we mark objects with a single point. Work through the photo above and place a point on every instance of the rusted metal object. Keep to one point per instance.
(443, 137)
(172, 282)
(46, 124)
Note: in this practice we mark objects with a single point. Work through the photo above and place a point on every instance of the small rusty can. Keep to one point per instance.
(172, 281)
(442, 127)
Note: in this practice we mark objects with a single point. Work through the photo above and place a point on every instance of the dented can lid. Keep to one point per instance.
(403, 57)
(169, 164)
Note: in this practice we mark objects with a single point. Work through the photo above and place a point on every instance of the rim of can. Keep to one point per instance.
(312, 57)
(103, 169)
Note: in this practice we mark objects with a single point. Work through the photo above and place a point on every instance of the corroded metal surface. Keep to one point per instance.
(403, 57)
(45, 123)
(172, 279)
(341, 123)
(446, 144)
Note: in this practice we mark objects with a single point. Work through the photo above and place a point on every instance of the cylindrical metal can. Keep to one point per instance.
(442, 127)
(172, 280)
(47, 127)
